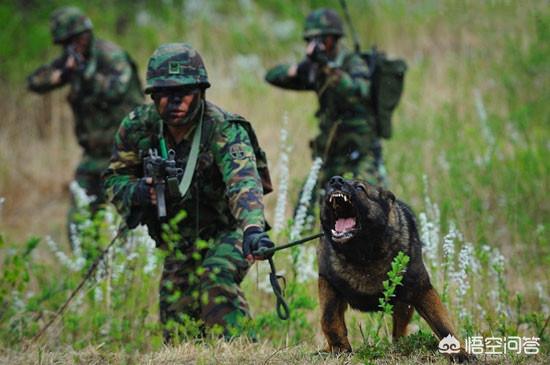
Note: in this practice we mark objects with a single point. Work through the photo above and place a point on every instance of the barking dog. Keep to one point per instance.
(365, 228)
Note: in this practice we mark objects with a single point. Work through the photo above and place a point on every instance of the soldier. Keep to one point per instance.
(104, 87)
(347, 141)
(210, 254)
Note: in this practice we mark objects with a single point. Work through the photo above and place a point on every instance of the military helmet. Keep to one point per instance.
(68, 21)
(176, 65)
(323, 22)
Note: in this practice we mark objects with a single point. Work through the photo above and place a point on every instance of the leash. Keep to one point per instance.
(121, 229)
(283, 311)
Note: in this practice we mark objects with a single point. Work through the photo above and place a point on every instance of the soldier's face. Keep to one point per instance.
(80, 43)
(177, 106)
(325, 43)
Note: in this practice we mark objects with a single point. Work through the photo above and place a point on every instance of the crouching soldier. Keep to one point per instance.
(211, 167)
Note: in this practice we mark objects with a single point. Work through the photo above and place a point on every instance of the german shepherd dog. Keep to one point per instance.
(365, 228)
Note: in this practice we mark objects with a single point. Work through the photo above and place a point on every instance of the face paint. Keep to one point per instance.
(177, 107)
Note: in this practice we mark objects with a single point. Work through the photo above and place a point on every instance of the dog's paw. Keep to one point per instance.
(337, 349)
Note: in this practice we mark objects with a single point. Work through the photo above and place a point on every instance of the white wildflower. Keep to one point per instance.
(284, 174)
(496, 264)
(305, 259)
(139, 237)
(305, 199)
(111, 219)
(309, 222)
(261, 276)
(496, 261)
(306, 264)
(74, 264)
(79, 194)
(433, 216)
(543, 298)
(75, 241)
(430, 245)
(449, 242)
(461, 275)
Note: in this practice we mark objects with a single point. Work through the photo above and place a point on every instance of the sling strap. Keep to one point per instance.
(193, 157)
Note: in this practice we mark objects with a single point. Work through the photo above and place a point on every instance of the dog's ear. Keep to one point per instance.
(387, 196)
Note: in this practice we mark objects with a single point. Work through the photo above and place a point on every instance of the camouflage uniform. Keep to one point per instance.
(200, 280)
(102, 92)
(347, 141)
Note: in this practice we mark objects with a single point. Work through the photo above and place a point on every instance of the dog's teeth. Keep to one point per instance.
(345, 198)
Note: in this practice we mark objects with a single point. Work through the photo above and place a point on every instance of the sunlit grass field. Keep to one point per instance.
(470, 153)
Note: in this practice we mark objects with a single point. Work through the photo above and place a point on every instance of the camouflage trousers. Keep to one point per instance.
(200, 288)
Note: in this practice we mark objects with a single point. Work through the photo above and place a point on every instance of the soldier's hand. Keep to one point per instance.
(145, 192)
(71, 63)
(254, 239)
(316, 52)
(56, 77)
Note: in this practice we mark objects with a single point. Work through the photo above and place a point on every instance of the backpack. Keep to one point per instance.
(261, 158)
(387, 80)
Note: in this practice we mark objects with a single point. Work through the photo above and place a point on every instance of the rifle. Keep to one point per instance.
(356, 44)
(165, 177)
(78, 58)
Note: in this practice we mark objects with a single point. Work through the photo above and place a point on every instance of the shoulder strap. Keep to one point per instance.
(193, 157)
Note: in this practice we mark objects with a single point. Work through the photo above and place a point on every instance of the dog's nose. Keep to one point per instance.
(336, 181)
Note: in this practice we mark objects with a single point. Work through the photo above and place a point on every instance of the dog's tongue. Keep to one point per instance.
(344, 224)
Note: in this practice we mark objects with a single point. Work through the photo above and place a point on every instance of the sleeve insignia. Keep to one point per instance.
(237, 153)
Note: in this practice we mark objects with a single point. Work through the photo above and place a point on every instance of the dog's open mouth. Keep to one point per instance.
(343, 217)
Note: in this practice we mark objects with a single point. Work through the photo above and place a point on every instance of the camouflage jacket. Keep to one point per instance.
(345, 115)
(101, 94)
(226, 191)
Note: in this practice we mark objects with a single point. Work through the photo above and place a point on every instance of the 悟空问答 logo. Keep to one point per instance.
(449, 345)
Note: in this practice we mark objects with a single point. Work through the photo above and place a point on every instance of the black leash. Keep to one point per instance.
(283, 311)
(121, 229)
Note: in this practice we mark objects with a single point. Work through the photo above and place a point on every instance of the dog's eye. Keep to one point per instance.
(360, 187)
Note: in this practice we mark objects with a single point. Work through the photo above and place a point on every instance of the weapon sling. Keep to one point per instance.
(193, 157)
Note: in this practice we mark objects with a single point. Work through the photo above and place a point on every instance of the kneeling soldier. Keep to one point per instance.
(202, 160)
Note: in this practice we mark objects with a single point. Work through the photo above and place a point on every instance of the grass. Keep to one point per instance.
(470, 151)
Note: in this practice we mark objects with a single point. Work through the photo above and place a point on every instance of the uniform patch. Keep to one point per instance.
(237, 152)
(174, 68)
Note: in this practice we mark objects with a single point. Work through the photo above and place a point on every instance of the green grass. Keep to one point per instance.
(490, 177)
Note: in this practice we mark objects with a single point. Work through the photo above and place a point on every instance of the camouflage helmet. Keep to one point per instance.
(323, 22)
(176, 64)
(68, 21)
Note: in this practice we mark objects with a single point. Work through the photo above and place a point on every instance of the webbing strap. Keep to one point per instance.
(193, 157)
